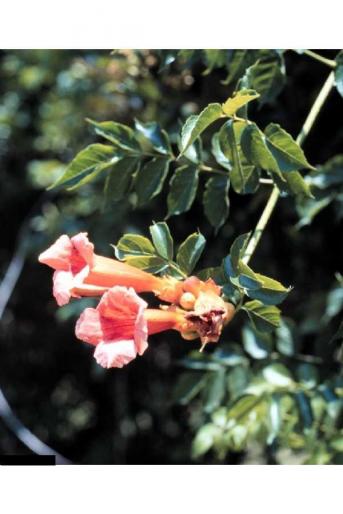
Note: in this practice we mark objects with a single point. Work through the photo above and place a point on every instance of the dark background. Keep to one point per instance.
(50, 379)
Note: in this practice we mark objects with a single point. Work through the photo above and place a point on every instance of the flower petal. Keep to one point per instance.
(84, 247)
(122, 304)
(116, 354)
(62, 285)
(58, 255)
(88, 327)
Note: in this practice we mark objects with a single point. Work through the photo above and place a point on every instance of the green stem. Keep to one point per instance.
(274, 196)
(209, 169)
(177, 269)
(320, 58)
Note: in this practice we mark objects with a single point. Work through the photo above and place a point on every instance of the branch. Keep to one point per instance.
(274, 196)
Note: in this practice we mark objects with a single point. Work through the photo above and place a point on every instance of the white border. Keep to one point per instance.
(112, 24)
(163, 489)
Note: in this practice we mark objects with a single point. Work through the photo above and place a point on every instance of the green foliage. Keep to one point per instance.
(326, 183)
(216, 200)
(266, 76)
(183, 188)
(196, 124)
(339, 73)
(190, 252)
(238, 100)
(278, 387)
(156, 256)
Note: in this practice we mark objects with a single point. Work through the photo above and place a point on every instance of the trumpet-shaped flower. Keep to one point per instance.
(81, 272)
(120, 324)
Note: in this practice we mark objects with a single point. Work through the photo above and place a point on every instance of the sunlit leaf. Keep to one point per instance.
(278, 375)
(133, 245)
(157, 137)
(264, 317)
(190, 252)
(162, 240)
(197, 123)
(239, 98)
(117, 133)
(87, 164)
(287, 153)
(257, 344)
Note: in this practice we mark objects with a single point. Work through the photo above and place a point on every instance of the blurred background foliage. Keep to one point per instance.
(172, 405)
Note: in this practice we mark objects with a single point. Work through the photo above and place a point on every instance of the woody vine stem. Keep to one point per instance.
(274, 196)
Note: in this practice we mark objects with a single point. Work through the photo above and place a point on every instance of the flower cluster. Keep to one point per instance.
(120, 324)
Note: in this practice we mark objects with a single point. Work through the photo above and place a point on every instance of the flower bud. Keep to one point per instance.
(187, 301)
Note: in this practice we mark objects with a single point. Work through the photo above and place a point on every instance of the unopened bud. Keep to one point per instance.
(230, 312)
(189, 335)
(187, 301)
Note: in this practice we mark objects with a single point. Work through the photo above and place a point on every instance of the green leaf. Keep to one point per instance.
(214, 59)
(238, 100)
(255, 148)
(339, 73)
(216, 200)
(216, 273)
(274, 418)
(133, 245)
(285, 150)
(241, 59)
(119, 134)
(244, 177)
(278, 375)
(162, 240)
(214, 391)
(285, 338)
(119, 178)
(218, 153)
(204, 440)
(196, 124)
(271, 292)
(150, 263)
(188, 386)
(263, 317)
(294, 184)
(238, 381)
(305, 409)
(157, 137)
(256, 344)
(243, 406)
(336, 442)
(150, 179)
(183, 188)
(329, 174)
(194, 152)
(307, 375)
(266, 76)
(87, 164)
(190, 252)
(237, 250)
(308, 209)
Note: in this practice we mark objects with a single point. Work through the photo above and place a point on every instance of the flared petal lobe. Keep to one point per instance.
(115, 355)
(117, 327)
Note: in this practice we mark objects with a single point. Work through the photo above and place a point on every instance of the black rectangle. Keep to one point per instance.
(27, 460)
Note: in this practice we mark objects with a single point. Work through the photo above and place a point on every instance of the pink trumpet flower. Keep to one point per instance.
(80, 272)
(120, 325)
